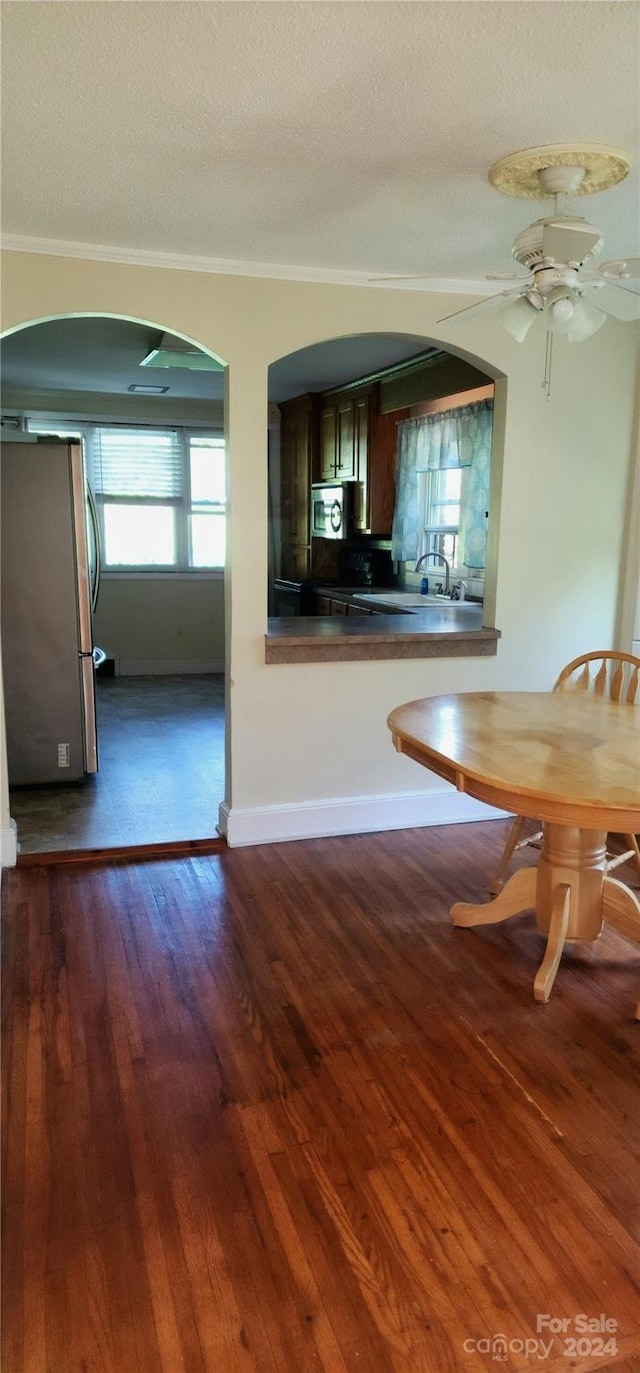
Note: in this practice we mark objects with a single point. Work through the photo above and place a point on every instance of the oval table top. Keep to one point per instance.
(564, 757)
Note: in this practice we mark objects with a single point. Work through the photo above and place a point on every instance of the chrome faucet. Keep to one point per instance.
(442, 559)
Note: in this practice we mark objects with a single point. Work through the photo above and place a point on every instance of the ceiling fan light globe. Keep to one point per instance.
(518, 318)
(559, 310)
(586, 321)
(562, 310)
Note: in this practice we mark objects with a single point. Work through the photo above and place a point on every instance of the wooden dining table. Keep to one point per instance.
(568, 760)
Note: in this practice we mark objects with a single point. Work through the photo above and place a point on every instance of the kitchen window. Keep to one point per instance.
(160, 494)
(439, 501)
(443, 472)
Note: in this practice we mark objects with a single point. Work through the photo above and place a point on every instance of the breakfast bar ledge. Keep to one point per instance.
(343, 639)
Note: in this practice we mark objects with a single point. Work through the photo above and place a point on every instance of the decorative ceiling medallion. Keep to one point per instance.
(517, 174)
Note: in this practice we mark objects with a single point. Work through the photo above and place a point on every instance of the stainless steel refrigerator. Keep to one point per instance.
(46, 551)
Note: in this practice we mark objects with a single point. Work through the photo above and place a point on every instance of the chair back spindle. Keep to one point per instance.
(611, 674)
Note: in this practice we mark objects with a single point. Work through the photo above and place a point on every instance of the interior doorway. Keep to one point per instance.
(161, 771)
(147, 409)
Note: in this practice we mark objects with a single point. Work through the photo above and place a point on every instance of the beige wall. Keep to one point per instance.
(300, 735)
(160, 624)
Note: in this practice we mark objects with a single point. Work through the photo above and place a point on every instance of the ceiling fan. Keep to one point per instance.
(554, 250)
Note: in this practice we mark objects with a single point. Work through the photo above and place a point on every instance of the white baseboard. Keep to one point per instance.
(168, 667)
(9, 845)
(349, 815)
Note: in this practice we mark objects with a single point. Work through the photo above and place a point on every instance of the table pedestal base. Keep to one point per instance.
(570, 893)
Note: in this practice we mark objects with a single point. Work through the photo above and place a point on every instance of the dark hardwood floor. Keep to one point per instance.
(267, 1110)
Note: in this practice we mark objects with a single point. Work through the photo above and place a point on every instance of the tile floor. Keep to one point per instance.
(161, 749)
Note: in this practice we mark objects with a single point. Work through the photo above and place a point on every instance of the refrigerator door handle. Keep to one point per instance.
(95, 524)
(85, 654)
(81, 549)
(89, 713)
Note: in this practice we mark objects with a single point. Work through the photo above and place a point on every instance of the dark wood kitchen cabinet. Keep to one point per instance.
(343, 450)
(337, 440)
(329, 605)
(345, 435)
(363, 412)
(381, 490)
(362, 446)
(298, 448)
(327, 457)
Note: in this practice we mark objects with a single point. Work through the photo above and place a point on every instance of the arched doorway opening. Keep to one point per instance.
(152, 436)
(335, 412)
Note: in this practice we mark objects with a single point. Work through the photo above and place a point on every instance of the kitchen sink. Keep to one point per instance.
(411, 599)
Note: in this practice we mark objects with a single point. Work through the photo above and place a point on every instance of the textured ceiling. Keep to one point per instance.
(352, 136)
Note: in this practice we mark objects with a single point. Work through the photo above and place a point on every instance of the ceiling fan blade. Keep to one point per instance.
(488, 276)
(614, 300)
(422, 277)
(620, 269)
(490, 303)
(507, 276)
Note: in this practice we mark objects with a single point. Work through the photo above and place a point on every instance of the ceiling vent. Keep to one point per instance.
(177, 352)
(148, 390)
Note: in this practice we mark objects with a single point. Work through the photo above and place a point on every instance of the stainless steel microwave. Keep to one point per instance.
(331, 511)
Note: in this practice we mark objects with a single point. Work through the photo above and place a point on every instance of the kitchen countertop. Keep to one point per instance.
(361, 595)
(439, 631)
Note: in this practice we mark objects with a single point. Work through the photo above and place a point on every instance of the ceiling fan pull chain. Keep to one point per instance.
(548, 358)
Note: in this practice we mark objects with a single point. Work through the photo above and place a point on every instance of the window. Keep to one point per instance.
(160, 494)
(439, 511)
(208, 510)
(137, 478)
(443, 485)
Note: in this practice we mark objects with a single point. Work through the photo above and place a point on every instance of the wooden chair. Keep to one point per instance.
(616, 675)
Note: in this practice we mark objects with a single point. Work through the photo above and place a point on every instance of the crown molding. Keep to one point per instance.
(220, 266)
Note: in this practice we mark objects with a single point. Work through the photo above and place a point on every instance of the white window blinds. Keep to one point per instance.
(160, 492)
(137, 464)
